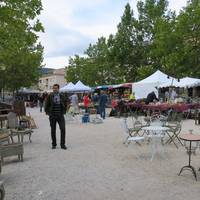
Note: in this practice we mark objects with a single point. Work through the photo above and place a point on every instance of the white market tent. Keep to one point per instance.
(67, 87)
(80, 87)
(149, 84)
(186, 82)
(171, 82)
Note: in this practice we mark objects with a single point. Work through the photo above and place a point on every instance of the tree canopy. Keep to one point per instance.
(20, 51)
(157, 39)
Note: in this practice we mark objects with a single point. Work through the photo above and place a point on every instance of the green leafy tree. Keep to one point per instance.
(177, 42)
(124, 47)
(151, 12)
(188, 30)
(157, 39)
(92, 69)
(20, 51)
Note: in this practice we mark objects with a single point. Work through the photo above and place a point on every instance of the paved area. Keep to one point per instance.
(97, 166)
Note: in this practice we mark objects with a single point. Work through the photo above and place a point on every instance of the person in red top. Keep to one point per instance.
(114, 105)
(86, 102)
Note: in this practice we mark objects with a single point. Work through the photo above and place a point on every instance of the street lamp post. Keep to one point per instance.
(2, 84)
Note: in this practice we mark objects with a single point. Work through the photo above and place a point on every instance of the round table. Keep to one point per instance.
(190, 138)
(156, 133)
(155, 128)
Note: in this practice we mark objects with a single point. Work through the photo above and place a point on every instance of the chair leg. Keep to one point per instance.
(22, 138)
(0, 166)
(18, 137)
(2, 191)
(2, 161)
(171, 139)
(138, 143)
(30, 137)
(21, 156)
(176, 136)
(125, 141)
(12, 140)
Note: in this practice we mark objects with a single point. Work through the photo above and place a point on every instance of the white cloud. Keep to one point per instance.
(70, 25)
(96, 31)
(176, 5)
(56, 62)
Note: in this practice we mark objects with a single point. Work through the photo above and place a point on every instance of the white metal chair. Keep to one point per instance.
(127, 132)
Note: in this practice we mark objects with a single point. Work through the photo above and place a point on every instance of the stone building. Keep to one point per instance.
(47, 80)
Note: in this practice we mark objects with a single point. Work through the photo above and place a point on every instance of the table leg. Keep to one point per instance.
(189, 167)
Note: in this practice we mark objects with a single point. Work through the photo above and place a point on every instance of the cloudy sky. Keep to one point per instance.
(71, 25)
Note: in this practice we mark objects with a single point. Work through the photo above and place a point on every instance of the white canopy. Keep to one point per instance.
(79, 86)
(67, 87)
(189, 82)
(149, 84)
(184, 83)
(169, 83)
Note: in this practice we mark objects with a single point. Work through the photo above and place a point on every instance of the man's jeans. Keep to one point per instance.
(102, 111)
(61, 121)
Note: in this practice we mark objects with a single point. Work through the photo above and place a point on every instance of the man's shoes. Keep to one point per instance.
(63, 147)
(53, 147)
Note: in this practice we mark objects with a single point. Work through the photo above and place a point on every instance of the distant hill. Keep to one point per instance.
(44, 71)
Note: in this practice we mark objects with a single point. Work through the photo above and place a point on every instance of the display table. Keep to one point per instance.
(190, 138)
(163, 107)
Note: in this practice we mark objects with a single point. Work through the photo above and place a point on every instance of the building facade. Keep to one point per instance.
(46, 81)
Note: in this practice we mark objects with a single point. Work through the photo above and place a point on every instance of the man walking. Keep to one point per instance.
(41, 100)
(102, 104)
(55, 107)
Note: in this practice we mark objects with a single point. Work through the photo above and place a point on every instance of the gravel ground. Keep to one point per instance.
(97, 166)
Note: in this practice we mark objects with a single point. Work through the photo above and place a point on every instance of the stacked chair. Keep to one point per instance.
(9, 145)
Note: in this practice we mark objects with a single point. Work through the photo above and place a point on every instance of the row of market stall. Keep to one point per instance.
(141, 89)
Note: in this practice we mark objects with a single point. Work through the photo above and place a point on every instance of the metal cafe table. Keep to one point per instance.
(190, 138)
(155, 132)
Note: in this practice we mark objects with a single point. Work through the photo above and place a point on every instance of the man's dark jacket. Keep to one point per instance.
(49, 104)
(103, 100)
(150, 97)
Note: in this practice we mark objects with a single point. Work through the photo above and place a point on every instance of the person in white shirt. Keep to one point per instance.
(74, 103)
(173, 95)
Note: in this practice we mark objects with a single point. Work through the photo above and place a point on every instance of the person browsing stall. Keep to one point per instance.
(151, 97)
